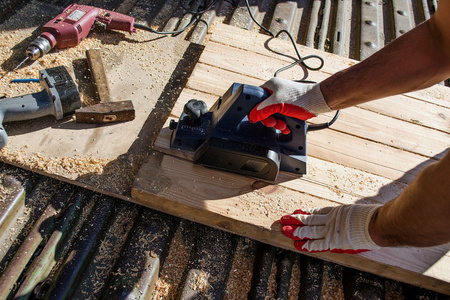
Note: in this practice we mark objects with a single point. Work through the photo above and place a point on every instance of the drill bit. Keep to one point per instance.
(21, 63)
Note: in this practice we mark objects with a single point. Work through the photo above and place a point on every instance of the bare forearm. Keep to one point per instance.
(414, 61)
(420, 215)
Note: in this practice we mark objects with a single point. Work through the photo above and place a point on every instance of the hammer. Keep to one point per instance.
(105, 111)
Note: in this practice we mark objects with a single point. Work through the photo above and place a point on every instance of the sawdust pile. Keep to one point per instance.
(64, 166)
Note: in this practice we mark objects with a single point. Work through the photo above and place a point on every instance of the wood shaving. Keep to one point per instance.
(201, 282)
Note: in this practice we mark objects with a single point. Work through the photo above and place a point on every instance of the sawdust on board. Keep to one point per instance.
(55, 165)
(114, 175)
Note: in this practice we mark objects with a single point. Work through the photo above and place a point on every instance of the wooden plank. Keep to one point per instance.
(239, 205)
(357, 161)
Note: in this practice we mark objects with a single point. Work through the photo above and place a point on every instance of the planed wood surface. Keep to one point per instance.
(369, 156)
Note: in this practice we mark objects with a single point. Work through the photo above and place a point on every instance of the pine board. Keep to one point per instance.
(369, 156)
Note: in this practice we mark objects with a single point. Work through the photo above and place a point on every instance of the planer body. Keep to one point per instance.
(223, 138)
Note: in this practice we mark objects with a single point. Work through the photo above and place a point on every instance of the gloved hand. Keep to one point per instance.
(293, 99)
(340, 229)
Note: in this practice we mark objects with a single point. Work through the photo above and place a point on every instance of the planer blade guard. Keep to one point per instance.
(223, 138)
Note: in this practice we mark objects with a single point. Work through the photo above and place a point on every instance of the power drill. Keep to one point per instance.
(60, 97)
(70, 27)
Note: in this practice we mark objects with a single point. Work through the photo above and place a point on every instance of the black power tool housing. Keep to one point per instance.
(223, 138)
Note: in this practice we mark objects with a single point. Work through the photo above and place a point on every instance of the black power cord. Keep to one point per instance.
(196, 13)
(300, 60)
(207, 4)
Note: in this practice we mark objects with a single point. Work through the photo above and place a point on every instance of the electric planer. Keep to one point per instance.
(223, 138)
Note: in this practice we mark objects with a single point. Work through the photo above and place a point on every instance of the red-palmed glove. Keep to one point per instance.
(340, 229)
(293, 99)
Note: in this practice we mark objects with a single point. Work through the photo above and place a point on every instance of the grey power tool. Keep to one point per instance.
(59, 97)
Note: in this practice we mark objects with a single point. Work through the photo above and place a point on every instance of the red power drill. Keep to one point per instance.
(70, 27)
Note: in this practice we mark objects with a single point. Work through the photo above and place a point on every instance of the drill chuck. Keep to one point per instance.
(38, 48)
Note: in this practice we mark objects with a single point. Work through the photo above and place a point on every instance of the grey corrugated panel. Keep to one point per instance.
(137, 269)
(35, 202)
(188, 17)
(10, 208)
(38, 272)
(38, 233)
(360, 285)
(172, 23)
(164, 14)
(403, 16)
(283, 17)
(266, 11)
(324, 25)
(311, 270)
(67, 279)
(105, 4)
(342, 28)
(264, 262)
(241, 17)
(146, 10)
(8, 7)
(200, 31)
(210, 262)
(372, 30)
(99, 264)
(285, 263)
(313, 23)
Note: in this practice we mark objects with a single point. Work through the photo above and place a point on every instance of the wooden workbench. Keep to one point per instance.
(368, 156)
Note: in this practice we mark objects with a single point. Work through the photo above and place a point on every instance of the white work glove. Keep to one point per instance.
(340, 229)
(293, 99)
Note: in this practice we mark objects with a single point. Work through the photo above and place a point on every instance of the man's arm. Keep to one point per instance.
(420, 216)
(416, 60)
